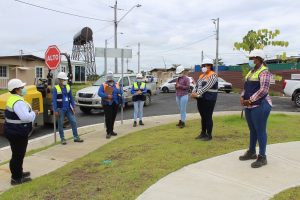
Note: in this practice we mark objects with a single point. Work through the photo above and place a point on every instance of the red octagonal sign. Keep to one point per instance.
(52, 57)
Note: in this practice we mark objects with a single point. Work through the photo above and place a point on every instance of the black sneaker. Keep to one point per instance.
(201, 135)
(63, 141)
(19, 181)
(182, 125)
(141, 123)
(134, 124)
(25, 174)
(77, 139)
(261, 161)
(108, 136)
(207, 138)
(113, 133)
(248, 156)
(179, 123)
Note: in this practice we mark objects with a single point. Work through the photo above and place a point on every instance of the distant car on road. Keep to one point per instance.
(169, 86)
(292, 88)
(224, 85)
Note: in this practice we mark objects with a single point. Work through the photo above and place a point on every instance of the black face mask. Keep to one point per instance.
(110, 82)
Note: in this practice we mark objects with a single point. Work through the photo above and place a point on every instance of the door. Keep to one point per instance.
(172, 84)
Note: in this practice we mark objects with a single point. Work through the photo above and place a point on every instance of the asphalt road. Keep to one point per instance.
(163, 104)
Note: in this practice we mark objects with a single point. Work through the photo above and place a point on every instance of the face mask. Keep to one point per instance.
(139, 80)
(23, 91)
(204, 69)
(180, 75)
(110, 82)
(65, 82)
(251, 63)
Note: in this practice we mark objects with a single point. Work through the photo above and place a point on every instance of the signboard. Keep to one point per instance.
(52, 57)
(295, 76)
(113, 53)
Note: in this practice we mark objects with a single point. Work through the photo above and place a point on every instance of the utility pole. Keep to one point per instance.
(116, 39)
(127, 65)
(105, 58)
(164, 62)
(202, 56)
(216, 22)
(139, 59)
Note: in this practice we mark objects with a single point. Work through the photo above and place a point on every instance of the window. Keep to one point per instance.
(173, 81)
(3, 71)
(132, 79)
(63, 68)
(126, 82)
(38, 72)
(79, 74)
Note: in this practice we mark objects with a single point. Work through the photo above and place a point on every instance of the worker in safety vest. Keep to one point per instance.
(139, 92)
(258, 105)
(63, 106)
(111, 94)
(19, 118)
(206, 92)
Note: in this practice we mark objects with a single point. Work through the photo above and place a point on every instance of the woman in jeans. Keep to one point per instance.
(258, 105)
(206, 92)
(182, 90)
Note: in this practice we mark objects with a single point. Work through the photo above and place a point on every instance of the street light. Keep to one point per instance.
(116, 22)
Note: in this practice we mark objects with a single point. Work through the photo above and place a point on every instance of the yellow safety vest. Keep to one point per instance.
(10, 108)
(255, 76)
(136, 87)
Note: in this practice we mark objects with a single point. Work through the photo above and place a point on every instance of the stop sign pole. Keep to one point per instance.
(52, 60)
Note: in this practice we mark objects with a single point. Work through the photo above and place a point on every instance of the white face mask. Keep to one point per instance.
(139, 80)
(204, 69)
(180, 75)
(65, 82)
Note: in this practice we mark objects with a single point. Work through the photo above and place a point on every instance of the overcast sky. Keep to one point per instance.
(165, 28)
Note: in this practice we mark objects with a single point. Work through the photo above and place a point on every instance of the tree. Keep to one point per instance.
(259, 39)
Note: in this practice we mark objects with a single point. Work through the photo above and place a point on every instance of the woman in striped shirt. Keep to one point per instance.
(258, 105)
(206, 92)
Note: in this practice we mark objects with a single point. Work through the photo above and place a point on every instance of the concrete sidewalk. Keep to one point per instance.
(48, 160)
(226, 178)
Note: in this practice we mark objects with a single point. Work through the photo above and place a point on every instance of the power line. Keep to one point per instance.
(62, 12)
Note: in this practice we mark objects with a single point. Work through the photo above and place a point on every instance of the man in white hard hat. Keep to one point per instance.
(138, 90)
(258, 104)
(64, 106)
(111, 94)
(18, 124)
(182, 94)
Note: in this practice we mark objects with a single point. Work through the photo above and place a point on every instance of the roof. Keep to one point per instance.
(24, 57)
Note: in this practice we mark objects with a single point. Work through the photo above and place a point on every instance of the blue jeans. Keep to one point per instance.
(138, 110)
(257, 123)
(71, 117)
(182, 103)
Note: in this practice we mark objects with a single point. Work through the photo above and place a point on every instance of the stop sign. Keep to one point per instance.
(52, 57)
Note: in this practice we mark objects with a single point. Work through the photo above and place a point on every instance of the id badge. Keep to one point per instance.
(66, 99)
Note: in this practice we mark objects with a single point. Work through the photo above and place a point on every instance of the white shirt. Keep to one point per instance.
(22, 110)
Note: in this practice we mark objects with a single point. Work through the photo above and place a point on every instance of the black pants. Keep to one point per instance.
(18, 146)
(206, 109)
(110, 112)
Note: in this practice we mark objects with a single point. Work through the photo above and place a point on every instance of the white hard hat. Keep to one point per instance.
(207, 61)
(257, 53)
(139, 75)
(109, 76)
(14, 83)
(179, 69)
(62, 75)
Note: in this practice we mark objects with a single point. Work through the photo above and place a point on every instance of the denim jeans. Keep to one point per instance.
(257, 122)
(138, 110)
(182, 103)
(70, 116)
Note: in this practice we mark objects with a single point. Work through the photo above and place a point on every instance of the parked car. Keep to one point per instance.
(224, 85)
(169, 86)
(292, 88)
(88, 99)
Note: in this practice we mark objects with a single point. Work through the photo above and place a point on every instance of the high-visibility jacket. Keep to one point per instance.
(212, 93)
(109, 90)
(137, 87)
(13, 124)
(59, 97)
(252, 84)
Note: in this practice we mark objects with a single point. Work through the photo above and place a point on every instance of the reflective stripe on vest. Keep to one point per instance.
(255, 76)
(109, 91)
(136, 86)
(58, 89)
(11, 116)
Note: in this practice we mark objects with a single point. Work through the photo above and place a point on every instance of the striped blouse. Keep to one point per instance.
(200, 90)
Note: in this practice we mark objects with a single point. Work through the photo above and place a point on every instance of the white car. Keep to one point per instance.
(169, 86)
(88, 99)
(292, 88)
(224, 85)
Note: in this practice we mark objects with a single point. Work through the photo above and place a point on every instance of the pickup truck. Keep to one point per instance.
(292, 88)
(87, 98)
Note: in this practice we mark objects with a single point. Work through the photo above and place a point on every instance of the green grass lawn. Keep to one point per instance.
(290, 194)
(76, 87)
(2, 91)
(142, 158)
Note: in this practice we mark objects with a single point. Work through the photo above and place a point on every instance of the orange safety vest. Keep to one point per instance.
(207, 76)
(109, 89)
